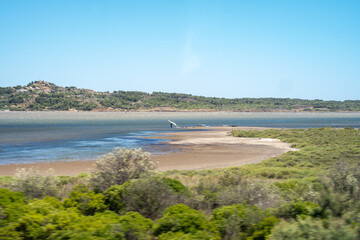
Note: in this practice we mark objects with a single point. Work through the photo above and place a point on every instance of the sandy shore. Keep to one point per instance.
(194, 150)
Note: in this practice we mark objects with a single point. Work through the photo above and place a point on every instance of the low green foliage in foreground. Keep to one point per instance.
(313, 193)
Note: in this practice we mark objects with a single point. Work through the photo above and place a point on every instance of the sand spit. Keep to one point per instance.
(217, 149)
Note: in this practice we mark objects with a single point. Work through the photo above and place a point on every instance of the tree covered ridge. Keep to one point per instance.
(41, 95)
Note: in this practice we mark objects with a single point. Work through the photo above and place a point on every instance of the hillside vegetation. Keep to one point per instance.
(41, 95)
(313, 193)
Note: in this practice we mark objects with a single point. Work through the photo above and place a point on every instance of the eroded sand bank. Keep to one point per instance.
(194, 150)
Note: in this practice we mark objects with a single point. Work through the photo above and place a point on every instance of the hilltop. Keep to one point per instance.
(42, 96)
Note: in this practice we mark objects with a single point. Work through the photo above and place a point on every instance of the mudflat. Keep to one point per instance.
(194, 150)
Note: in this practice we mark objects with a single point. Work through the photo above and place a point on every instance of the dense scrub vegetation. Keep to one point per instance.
(319, 147)
(308, 194)
(40, 95)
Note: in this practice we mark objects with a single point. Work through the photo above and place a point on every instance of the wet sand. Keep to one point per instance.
(194, 150)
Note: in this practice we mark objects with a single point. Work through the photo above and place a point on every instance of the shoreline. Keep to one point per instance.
(185, 111)
(195, 150)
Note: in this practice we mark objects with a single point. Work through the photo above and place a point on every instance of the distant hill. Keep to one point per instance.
(42, 96)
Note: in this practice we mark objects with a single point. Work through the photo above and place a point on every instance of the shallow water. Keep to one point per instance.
(27, 137)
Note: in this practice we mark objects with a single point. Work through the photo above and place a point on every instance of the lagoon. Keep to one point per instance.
(28, 137)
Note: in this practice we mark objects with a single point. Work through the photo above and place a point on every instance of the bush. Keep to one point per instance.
(88, 202)
(301, 209)
(305, 189)
(149, 197)
(8, 197)
(36, 220)
(119, 166)
(198, 235)
(345, 180)
(33, 184)
(311, 229)
(133, 195)
(135, 226)
(242, 221)
(340, 189)
(250, 192)
(48, 219)
(12, 206)
(176, 186)
(101, 226)
(114, 197)
(181, 221)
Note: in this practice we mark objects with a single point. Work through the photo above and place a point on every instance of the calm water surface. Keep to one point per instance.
(27, 137)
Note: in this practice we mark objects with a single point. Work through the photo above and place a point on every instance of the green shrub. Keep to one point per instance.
(250, 192)
(149, 197)
(180, 220)
(242, 221)
(312, 229)
(345, 180)
(306, 189)
(88, 202)
(198, 235)
(101, 226)
(10, 212)
(175, 185)
(114, 197)
(107, 225)
(36, 220)
(49, 219)
(300, 209)
(135, 226)
(8, 197)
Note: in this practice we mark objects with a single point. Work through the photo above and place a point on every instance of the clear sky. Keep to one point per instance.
(242, 48)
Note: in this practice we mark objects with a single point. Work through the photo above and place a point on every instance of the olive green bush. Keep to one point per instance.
(8, 197)
(114, 197)
(135, 226)
(38, 219)
(180, 221)
(101, 226)
(242, 221)
(35, 184)
(312, 229)
(87, 202)
(300, 209)
(149, 197)
(250, 192)
(119, 166)
(48, 218)
(345, 180)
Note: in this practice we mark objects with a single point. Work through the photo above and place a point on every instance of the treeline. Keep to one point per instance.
(40, 95)
(299, 195)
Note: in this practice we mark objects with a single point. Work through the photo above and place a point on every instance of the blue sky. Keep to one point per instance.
(298, 49)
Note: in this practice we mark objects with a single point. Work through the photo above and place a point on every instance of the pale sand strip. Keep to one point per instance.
(194, 150)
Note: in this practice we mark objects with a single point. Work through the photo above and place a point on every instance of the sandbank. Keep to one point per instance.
(193, 150)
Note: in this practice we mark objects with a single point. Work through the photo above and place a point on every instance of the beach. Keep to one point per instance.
(194, 150)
